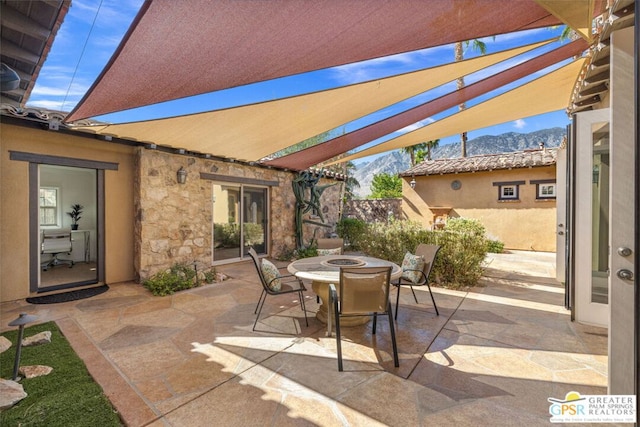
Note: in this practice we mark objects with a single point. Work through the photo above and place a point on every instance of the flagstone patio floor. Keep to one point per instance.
(493, 356)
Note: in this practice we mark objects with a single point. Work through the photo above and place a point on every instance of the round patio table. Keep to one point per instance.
(323, 270)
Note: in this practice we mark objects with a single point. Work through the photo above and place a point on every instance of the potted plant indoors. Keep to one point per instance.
(76, 211)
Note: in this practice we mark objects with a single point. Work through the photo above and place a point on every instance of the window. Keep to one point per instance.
(508, 190)
(49, 213)
(545, 189)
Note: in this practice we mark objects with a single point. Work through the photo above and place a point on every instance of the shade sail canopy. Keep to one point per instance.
(176, 49)
(576, 14)
(343, 143)
(548, 93)
(254, 131)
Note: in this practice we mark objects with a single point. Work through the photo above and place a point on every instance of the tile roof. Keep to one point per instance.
(487, 162)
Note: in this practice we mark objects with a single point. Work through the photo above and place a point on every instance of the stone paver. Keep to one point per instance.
(492, 357)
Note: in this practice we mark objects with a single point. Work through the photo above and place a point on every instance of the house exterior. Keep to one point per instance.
(138, 219)
(598, 251)
(512, 194)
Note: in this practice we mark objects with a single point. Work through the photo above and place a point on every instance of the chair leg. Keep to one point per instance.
(259, 311)
(259, 300)
(414, 294)
(375, 321)
(397, 301)
(304, 307)
(393, 338)
(338, 337)
(432, 299)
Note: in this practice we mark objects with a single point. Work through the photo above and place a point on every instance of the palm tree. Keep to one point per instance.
(459, 47)
(422, 155)
(412, 149)
(430, 146)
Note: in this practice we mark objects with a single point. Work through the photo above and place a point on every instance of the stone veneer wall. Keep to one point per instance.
(173, 222)
(374, 210)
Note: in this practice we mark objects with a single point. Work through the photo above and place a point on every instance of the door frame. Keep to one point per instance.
(35, 160)
(623, 294)
(584, 310)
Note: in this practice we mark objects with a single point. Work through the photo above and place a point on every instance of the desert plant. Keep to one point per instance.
(351, 230)
(461, 257)
(307, 252)
(465, 225)
(179, 277)
(495, 246)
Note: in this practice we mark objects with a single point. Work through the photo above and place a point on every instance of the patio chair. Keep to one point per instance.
(424, 258)
(332, 246)
(364, 291)
(329, 246)
(273, 283)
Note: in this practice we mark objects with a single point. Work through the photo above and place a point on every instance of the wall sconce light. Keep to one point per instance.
(412, 183)
(596, 174)
(182, 175)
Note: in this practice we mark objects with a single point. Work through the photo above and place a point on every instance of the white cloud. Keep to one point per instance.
(415, 126)
(519, 124)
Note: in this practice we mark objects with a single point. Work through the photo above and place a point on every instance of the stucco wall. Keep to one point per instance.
(174, 221)
(526, 224)
(151, 222)
(14, 203)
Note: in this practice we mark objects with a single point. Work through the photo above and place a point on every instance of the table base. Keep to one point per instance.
(322, 290)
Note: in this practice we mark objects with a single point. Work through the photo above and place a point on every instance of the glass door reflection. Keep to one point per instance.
(226, 221)
(600, 215)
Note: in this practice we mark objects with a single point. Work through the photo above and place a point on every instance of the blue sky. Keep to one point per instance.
(93, 29)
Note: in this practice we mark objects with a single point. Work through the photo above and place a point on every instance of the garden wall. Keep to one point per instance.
(373, 210)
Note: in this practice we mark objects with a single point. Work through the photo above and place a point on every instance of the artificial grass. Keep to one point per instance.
(68, 396)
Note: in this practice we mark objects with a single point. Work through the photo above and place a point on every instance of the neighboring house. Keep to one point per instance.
(512, 194)
(138, 218)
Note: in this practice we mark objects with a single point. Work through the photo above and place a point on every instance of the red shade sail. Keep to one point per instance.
(319, 153)
(175, 49)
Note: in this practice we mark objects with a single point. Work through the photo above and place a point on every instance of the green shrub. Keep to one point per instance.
(495, 246)
(179, 277)
(210, 275)
(351, 230)
(459, 262)
(307, 252)
(465, 225)
(392, 240)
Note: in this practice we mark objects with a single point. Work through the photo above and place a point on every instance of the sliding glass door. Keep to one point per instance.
(68, 243)
(239, 220)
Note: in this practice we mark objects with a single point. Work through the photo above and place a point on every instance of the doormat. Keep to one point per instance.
(69, 296)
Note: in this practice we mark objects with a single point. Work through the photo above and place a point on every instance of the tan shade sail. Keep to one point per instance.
(254, 131)
(319, 153)
(175, 49)
(545, 94)
(577, 14)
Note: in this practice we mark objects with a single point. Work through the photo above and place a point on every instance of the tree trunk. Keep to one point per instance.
(460, 84)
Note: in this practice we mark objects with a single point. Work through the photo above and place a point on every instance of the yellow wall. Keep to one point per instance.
(14, 203)
(527, 224)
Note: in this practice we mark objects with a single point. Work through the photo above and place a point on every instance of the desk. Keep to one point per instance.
(81, 245)
(322, 272)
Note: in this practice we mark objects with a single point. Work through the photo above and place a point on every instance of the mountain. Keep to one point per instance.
(504, 143)
(397, 161)
(394, 162)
